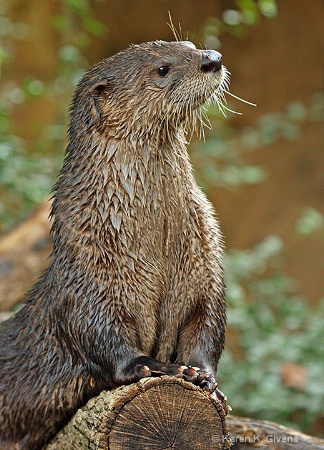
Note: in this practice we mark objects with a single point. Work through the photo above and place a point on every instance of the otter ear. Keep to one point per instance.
(100, 89)
(99, 92)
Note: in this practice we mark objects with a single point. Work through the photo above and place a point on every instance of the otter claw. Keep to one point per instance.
(197, 369)
(157, 372)
(222, 399)
(177, 371)
(145, 371)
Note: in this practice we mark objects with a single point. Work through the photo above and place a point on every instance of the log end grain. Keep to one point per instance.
(153, 414)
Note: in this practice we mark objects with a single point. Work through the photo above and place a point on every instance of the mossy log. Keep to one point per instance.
(169, 413)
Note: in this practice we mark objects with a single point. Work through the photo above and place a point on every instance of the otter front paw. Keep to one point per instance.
(145, 366)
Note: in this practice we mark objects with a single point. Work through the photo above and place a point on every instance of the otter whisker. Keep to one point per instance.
(216, 100)
(180, 31)
(239, 98)
(221, 109)
(220, 96)
(198, 124)
(231, 110)
(205, 119)
(175, 32)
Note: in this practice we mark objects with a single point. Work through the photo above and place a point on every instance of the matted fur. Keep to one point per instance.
(136, 266)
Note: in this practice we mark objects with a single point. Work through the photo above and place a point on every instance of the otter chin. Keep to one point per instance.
(135, 284)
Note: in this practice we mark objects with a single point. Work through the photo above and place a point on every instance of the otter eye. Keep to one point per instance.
(163, 70)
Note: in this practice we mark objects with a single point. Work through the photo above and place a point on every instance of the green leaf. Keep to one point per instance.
(310, 222)
(268, 8)
(94, 26)
(33, 87)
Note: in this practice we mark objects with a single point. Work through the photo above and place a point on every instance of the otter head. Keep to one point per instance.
(149, 87)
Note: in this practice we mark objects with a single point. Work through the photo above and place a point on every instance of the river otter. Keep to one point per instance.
(135, 284)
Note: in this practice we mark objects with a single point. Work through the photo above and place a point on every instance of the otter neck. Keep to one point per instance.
(109, 188)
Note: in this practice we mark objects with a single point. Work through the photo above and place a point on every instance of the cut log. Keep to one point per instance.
(169, 413)
(153, 414)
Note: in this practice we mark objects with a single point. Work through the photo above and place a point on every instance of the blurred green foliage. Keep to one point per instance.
(27, 174)
(269, 324)
(311, 221)
(220, 160)
(237, 21)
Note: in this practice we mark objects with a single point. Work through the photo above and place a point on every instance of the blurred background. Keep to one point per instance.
(263, 170)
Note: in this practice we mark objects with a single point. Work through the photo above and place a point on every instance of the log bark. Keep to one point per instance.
(169, 413)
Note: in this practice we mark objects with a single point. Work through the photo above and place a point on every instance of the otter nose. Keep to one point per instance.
(211, 61)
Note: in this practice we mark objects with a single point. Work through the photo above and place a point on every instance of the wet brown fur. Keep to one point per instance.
(136, 266)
